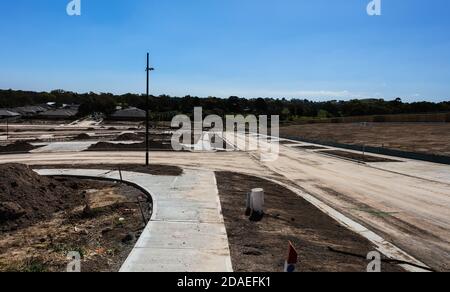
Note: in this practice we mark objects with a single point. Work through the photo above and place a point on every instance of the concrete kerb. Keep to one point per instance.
(118, 180)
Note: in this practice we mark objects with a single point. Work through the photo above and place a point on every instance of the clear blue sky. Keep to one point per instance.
(285, 48)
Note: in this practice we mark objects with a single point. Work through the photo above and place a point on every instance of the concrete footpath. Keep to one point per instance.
(187, 231)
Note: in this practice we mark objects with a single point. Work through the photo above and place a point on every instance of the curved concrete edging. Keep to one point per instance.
(383, 246)
(187, 231)
(144, 190)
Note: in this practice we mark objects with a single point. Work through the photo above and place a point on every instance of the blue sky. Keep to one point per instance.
(318, 49)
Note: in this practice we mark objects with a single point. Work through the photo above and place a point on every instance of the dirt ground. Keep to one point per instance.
(310, 147)
(128, 137)
(356, 156)
(154, 146)
(17, 147)
(48, 217)
(158, 142)
(153, 169)
(82, 136)
(416, 137)
(262, 246)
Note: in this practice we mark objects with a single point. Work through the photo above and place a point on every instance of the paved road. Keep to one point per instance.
(411, 211)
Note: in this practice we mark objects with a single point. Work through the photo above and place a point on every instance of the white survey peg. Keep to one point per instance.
(254, 204)
(248, 204)
(257, 200)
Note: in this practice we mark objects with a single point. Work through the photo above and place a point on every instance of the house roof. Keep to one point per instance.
(4, 113)
(131, 112)
(29, 109)
(59, 113)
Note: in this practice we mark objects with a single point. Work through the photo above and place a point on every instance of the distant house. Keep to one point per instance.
(128, 114)
(30, 111)
(59, 114)
(5, 114)
(71, 106)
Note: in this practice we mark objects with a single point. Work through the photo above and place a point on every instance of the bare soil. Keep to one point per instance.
(154, 145)
(17, 147)
(153, 169)
(38, 122)
(284, 142)
(128, 137)
(262, 246)
(27, 197)
(48, 217)
(158, 142)
(430, 138)
(357, 156)
(82, 136)
(310, 147)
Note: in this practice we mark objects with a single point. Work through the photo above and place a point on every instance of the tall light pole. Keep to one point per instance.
(147, 112)
(7, 129)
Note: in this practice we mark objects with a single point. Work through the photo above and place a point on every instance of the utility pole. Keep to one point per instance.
(147, 110)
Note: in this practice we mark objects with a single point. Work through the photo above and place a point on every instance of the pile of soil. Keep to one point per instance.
(17, 147)
(154, 145)
(103, 234)
(128, 137)
(262, 246)
(82, 136)
(27, 197)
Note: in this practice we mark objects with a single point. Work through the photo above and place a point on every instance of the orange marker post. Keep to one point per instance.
(292, 259)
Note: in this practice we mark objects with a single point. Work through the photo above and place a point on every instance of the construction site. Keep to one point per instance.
(225, 144)
(83, 186)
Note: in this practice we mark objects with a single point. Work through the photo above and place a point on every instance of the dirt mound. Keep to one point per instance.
(82, 136)
(154, 145)
(128, 137)
(104, 234)
(17, 147)
(27, 197)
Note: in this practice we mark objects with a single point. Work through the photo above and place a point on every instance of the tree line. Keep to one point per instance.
(164, 107)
